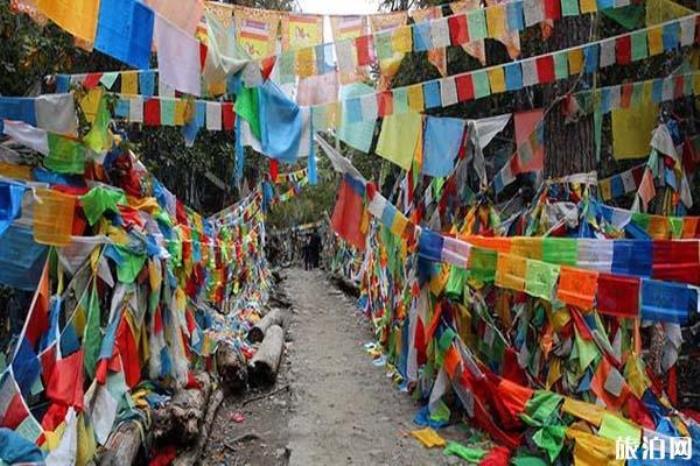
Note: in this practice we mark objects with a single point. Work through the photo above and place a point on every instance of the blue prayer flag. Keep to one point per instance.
(441, 141)
(431, 94)
(422, 37)
(19, 109)
(514, 13)
(514, 76)
(147, 82)
(430, 245)
(665, 301)
(590, 54)
(125, 31)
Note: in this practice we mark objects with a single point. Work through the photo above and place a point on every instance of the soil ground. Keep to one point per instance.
(339, 409)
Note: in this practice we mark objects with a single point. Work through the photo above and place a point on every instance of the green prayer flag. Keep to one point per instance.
(482, 264)
(100, 200)
(473, 455)
(443, 344)
(400, 100)
(542, 406)
(286, 64)
(476, 24)
(65, 155)
(586, 350)
(130, 266)
(614, 427)
(630, 17)
(641, 220)
(480, 80)
(167, 112)
(92, 334)
(637, 95)
(440, 413)
(98, 138)
(561, 65)
(639, 45)
(455, 282)
(560, 251)
(247, 107)
(540, 279)
(676, 226)
(383, 45)
(569, 8)
(550, 439)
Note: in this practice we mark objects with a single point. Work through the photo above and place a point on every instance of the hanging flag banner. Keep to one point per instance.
(436, 56)
(256, 30)
(383, 27)
(475, 48)
(301, 31)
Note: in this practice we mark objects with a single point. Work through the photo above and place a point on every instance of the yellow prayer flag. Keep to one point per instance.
(510, 272)
(575, 57)
(180, 108)
(415, 97)
(402, 39)
(496, 21)
(530, 248)
(18, 172)
(91, 103)
(130, 82)
(582, 410)
(399, 224)
(655, 41)
(78, 17)
(53, 217)
(588, 6)
(398, 138)
(592, 450)
(305, 62)
(429, 438)
(632, 130)
(497, 80)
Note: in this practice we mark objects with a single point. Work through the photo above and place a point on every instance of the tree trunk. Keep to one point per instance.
(569, 147)
(266, 362)
(257, 333)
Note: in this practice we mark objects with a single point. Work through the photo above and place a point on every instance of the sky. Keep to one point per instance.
(338, 7)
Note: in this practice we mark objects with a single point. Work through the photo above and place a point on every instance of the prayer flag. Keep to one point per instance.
(442, 142)
(125, 31)
(665, 302)
(577, 287)
(179, 63)
(78, 17)
(618, 295)
(398, 138)
(347, 214)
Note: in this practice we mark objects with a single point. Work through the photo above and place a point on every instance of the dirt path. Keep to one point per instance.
(341, 409)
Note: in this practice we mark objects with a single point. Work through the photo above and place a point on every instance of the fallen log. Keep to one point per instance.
(264, 365)
(123, 445)
(179, 422)
(257, 333)
(232, 369)
(191, 456)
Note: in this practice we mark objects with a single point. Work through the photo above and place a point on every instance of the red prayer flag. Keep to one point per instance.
(545, 69)
(129, 352)
(626, 95)
(679, 84)
(618, 295)
(465, 88)
(274, 170)
(459, 30)
(623, 50)
(676, 261)
(66, 384)
(347, 215)
(267, 65)
(552, 9)
(364, 46)
(385, 103)
(92, 80)
(228, 118)
(151, 112)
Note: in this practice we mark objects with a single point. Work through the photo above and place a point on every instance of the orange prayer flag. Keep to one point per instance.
(577, 287)
(510, 272)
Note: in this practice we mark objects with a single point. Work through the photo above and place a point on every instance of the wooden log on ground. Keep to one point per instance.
(232, 368)
(179, 422)
(264, 365)
(190, 457)
(257, 333)
(122, 446)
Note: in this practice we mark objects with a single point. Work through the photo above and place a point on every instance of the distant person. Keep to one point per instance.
(315, 247)
(306, 252)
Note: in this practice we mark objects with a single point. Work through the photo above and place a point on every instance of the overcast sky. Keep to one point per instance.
(338, 7)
